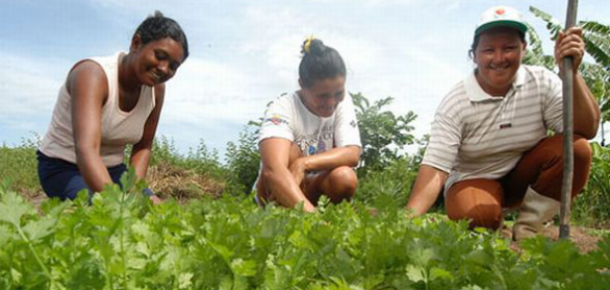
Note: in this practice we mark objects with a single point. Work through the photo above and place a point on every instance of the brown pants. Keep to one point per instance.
(482, 200)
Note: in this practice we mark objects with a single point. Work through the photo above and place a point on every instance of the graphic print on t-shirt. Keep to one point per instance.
(287, 117)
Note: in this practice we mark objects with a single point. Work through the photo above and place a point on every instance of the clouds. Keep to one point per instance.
(244, 53)
(204, 91)
(27, 86)
(251, 54)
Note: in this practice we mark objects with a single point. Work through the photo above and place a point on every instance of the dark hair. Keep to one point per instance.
(319, 62)
(477, 38)
(157, 26)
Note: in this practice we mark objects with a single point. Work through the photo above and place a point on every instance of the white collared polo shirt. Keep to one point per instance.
(476, 135)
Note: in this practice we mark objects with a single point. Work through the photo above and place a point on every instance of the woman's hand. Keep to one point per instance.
(570, 44)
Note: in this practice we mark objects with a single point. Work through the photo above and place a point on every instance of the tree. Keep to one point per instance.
(383, 134)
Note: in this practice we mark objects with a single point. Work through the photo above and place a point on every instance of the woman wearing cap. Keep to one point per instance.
(105, 104)
(309, 140)
(489, 146)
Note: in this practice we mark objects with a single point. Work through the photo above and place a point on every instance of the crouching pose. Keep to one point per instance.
(489, 145)
(309, 140)
(105, 104)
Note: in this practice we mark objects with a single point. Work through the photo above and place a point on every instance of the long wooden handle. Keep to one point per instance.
(568, 133)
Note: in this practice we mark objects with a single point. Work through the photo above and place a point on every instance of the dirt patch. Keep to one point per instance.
(578, 235)
(166, 180)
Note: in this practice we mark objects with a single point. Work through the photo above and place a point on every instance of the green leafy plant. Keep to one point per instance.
(383, 134)
(243, 158)
(122, 241)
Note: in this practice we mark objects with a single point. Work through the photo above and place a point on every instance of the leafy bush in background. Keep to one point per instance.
(243, 159)
(592, 206)
(383, 134)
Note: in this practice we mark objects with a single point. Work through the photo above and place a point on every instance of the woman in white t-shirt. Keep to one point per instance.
(309, 140)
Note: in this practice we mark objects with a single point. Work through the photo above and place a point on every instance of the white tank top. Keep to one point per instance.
(119, 128)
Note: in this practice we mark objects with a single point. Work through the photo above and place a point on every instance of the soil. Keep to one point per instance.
(580, 236)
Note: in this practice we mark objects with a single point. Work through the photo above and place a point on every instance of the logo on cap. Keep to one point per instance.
(500, 11)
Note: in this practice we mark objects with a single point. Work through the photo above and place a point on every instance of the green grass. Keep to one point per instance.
(18, 167)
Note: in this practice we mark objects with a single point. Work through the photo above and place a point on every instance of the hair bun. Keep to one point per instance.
(319, 62)
(312, 46)
(157, 14)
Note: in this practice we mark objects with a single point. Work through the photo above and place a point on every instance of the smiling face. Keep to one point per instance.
(156, 61)
(498, 56)
(323, 97)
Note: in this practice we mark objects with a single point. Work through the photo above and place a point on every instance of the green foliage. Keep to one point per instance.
(552, 24)
(597, 42)
(18, 166)
(593, 204)
(535, 54)
(122, 241)
(243, 159)
(391, 186)
(382, 133)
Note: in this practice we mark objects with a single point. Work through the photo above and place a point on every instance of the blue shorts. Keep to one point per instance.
(62, 179)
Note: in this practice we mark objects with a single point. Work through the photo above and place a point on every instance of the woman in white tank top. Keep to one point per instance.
(107, 103)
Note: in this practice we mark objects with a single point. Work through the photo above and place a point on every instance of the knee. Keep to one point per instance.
(344, 182)
(552, 150)
(583, 154)
(480, 215)
(478, 200)
(487, 216)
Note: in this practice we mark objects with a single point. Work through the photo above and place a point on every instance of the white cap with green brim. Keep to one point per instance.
(501, 16)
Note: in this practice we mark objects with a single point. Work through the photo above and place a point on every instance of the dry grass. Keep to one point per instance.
(166, 180)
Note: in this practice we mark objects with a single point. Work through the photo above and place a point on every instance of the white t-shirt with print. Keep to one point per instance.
(287, 117)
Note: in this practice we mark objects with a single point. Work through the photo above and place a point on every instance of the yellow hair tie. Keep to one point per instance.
(308, 43)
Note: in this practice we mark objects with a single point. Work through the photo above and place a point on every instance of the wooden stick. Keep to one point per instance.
(568, 133)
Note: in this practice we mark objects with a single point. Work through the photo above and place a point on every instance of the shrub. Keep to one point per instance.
(243, 159)
(592, 206)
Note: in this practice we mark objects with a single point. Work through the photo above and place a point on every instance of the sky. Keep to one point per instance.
(245, 53)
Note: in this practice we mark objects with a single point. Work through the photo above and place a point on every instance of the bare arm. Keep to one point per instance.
(88, 87)
(428, 185)
(142, 151)
(336, 157)
(275, 154)
(586, 110)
